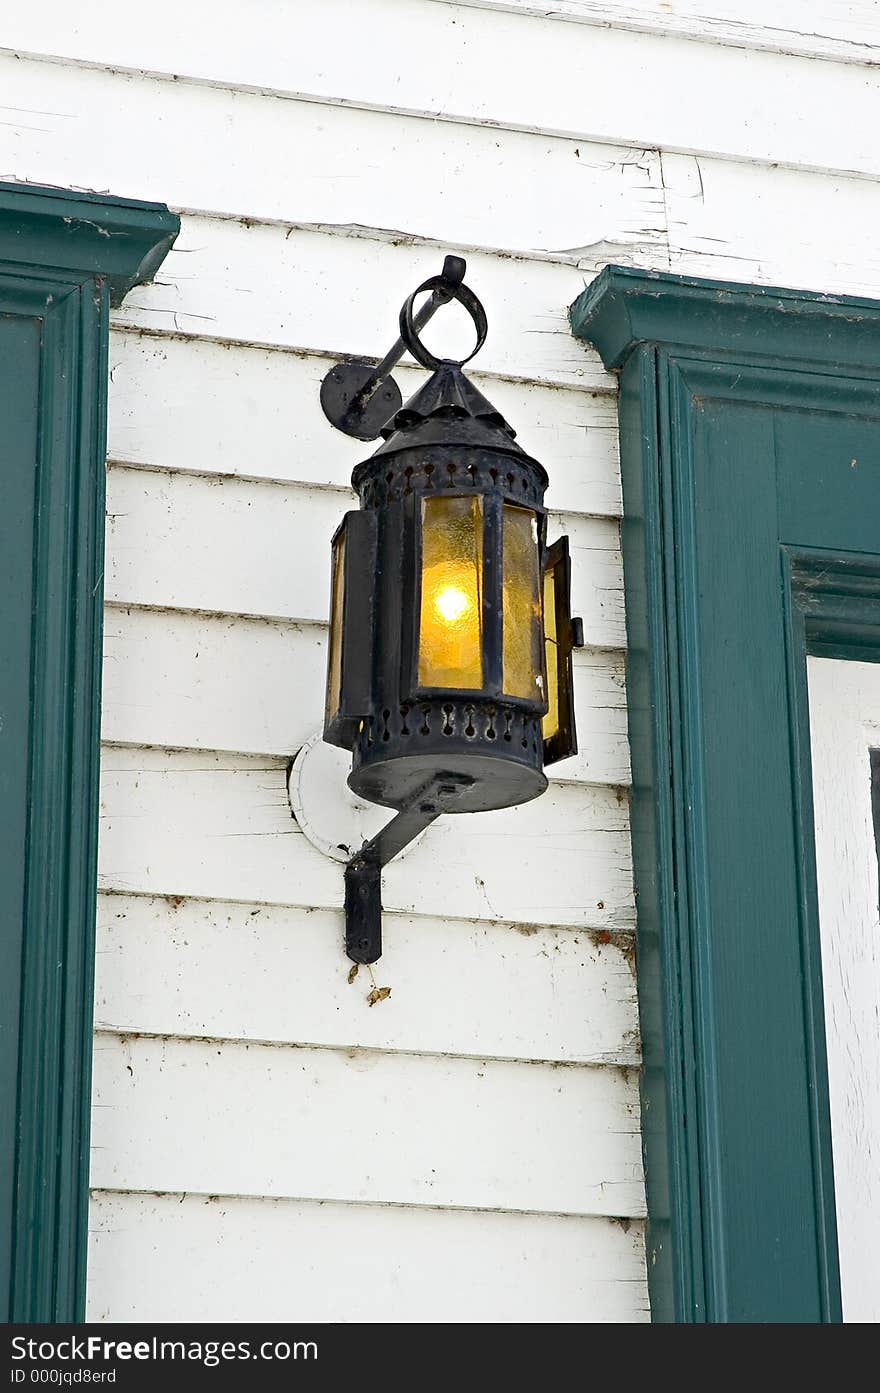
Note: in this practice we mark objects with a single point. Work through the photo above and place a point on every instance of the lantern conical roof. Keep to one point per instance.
(449, 410)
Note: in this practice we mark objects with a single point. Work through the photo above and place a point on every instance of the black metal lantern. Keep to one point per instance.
(449, 673)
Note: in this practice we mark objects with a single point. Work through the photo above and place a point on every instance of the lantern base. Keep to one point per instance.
(495, 751)
(492, 781)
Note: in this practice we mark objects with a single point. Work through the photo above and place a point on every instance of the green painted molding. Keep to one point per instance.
(624, 307)
(63, 256)
(119, 240)
(750, 539)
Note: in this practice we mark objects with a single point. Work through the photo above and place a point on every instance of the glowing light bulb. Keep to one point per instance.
(451, 603)
(450, 622)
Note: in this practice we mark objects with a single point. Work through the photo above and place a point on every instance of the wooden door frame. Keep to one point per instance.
(731, 577)
(65, 258)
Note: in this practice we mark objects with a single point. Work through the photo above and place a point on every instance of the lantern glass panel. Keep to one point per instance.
(337, 594)
(451, 612)
(523, 658)
(550, 724)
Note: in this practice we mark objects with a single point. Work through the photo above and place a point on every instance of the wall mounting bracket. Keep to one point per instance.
(363, 873)
(359, 396)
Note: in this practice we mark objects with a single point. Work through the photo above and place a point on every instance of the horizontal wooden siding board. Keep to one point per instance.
(169, 966)
(261, 1120)
(340, 291)
(196, 405)
(840, 30)
(562, 78)
(220, 826)
(189, 1258)
(341, 165)
(772, 226)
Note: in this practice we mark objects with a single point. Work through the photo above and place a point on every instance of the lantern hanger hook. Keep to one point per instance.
(409, 323)
(359, 396)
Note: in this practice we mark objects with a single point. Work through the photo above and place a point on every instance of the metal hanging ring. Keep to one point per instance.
(465, 297)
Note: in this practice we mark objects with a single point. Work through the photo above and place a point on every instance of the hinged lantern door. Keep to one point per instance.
(561, 635)
(350, 646)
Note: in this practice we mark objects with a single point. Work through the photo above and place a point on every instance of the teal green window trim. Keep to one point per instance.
(64, 260)
(750, 455)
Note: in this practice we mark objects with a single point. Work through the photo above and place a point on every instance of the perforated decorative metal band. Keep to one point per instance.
(451, 736)
(386, 479)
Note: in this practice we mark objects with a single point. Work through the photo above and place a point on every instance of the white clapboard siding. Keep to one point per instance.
(322, 290)
(188, 1258)
(340, 165)
(213, 543)
(777, 226)
(340, 290)
(168, 966)
(211, 682)
(231, 1118)
(844, 30)
(192, 404)
(219, 826)
(844, 730)
(728, 220)
(492, 66)
(238, 546)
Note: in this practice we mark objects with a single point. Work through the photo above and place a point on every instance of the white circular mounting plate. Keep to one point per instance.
(334, 819)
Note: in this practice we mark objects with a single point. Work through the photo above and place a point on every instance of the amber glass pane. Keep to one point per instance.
(451, 614)
(550, 724)
(334, 663)
(522, 656)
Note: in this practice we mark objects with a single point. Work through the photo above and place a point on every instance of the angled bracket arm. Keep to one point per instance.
(363, 874)
(359, 396)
